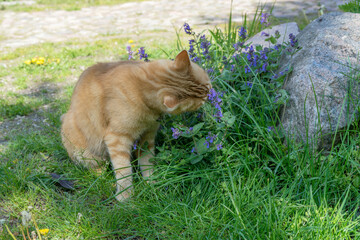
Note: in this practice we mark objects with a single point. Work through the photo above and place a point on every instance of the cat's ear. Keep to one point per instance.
(182, 61)
(170, 102)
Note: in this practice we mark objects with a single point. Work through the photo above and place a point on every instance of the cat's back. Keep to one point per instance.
(95, 79)
(101, 71)
(106, 67)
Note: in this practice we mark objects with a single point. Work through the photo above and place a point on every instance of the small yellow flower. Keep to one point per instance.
(38, 62)
(33, 60)
(57, 60)
(131, 41)
(44, 231)
(27, 62)
(132, 46)
(41, 59)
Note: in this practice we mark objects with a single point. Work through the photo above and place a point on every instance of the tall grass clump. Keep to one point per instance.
(352, 6)
(231, 155)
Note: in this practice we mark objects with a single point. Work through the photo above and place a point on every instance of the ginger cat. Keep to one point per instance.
(114, 104)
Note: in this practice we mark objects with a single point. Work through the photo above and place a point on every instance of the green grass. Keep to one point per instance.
(18, 105)
(253, 188)
(351, 6)
(74, 56)
(68, 5)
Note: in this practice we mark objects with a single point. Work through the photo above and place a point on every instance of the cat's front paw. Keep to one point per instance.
(122, 196)
(150, 181)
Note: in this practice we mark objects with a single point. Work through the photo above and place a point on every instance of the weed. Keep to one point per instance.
(352, 6)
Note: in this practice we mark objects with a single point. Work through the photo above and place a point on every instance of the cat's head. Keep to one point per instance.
(188, 88)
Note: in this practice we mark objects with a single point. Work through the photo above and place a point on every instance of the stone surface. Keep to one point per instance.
(133, 18)
(319, 82)
(24, 2)
(284, 29)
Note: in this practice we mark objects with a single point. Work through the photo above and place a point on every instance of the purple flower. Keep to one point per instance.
(250, 49)
(293, 40)
(216, 101)
(270, 128)
(275, 76)
(218, 115)
(176, 133)
(247, 69)
(191, 46)
(242, 33)
(128, 49)
(265, 19)
(238, 45)
(254, 60)
(249, 84)
(236, 56)
(265, 34)
(277, 46)
(189, 130)
(210, 70)
(196, 59)
(263, 55)
(232, 68)
(214, 98)
(191, 51)
(193, 149)
(205, 45)
(224, 60)
(135, 144)
(142, 54)
(283, 72)
(212, 95)
(219, 146)
(264, 67)
(210, 139)
(187, 28)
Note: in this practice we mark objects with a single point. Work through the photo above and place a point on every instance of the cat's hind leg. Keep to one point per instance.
(76, 145)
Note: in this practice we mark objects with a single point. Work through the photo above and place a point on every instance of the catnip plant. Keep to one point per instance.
(247, 94)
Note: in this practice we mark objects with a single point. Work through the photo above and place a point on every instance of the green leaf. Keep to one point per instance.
(195, 130)
(195, 159)
(228, 118)
(271, 39)
(282, 97)
(258, 48)
(200, 146)
(196, 191)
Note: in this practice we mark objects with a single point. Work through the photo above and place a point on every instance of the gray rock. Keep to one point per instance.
(284, 29)
(324, 84)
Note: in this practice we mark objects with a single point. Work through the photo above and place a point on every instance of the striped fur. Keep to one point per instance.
(114, 104)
